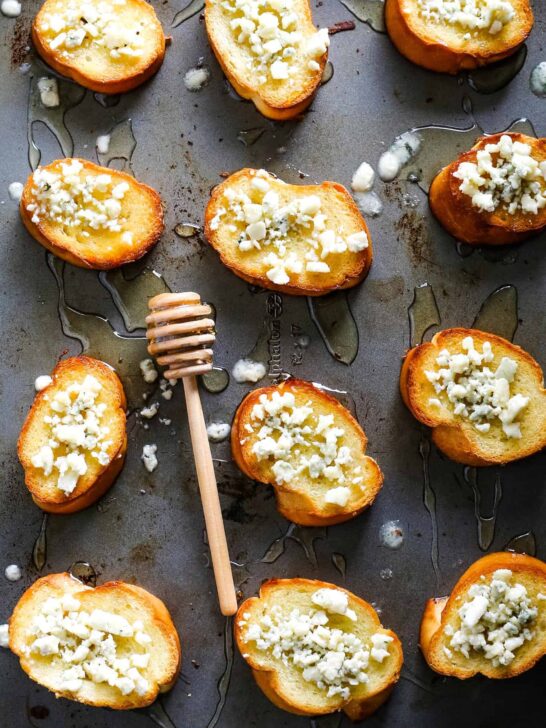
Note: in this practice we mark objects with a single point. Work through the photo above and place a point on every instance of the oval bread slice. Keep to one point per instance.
(306, 240)
(282, 679)
(108, 46)
(477, 225)
(437, 41)
(106, 604)
(270, 52)
(91, 216)
(43, 482)
(441, 614)
(339, 480)
(457, 436)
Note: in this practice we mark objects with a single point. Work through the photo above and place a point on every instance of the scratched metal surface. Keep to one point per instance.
(155, 537)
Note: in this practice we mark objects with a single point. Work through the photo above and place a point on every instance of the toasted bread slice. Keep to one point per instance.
(480, 216)
(306, 240)
(433, 36)
(509, 436)
(91, 216)
(444, 636)
(310, 448)
(130, 625)
(270, 52)
(110, 47)
(289, 682)
(103, 419)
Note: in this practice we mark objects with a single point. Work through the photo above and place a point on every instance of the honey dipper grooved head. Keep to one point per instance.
(179, 334)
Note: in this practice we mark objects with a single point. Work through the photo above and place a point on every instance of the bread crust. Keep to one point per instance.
(265, 100)
(151, 610)
(438, 611)
(254, 272)
(118, 77)
(439, 49)
(457, 437)
(455, 212)
(269, 681)
(297, 504)
(99, 478)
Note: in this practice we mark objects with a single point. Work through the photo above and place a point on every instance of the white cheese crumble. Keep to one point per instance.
(268, 32)
(71, 197)
(49, 92)
(332, 658)
(15, 191)
(74, 428)
(99, 646)
(70, 27)
(504, 175)
(297, 442)
(294, 233)
(469, 15)
(151, 411)
(218, 431)
(537, 80)
(103, 143)
(248, 370)
(41, 382)
(196, 78)
(401, 151)
(149, 457)
(4, 635)
(13, 572)
(10, 8)
(363, 178)
(476, 392)
(148, 371)
(494, 619)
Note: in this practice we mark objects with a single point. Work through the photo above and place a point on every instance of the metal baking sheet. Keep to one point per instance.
(148, 528)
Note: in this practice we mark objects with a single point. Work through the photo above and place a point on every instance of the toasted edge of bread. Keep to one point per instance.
(123, 76)
(92, 485)
(455, 212)
(294, 503)
(324, 282)
(356, 708)
(266, 100)
(147, 607)
(456, 436)
(445, 51)
(438, 611)
(144, 202)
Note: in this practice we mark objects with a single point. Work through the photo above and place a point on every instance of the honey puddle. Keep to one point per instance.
(39, 550)
(371, 12)
(525, 543)
(335, 323)
(187, 12)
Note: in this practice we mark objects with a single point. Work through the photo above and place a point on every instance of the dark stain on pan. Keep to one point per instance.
(20, 41)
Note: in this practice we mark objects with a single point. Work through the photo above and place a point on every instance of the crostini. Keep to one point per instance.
(306, 240)
(494, 621)
(494, 194)
(483, 396)
(302, 441)
(449, 37)
(91, 216)
(109, 46)
(73, 442)
(270, 52)
(315, 648)
(113, 646)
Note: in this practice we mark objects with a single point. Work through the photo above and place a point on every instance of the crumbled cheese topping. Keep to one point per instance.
(48, 89)
(470, 15)
(330, 657)
(504, 175)
(98, 646)
(248, 370)
(495, 619)
(4, 635)
(475, 391)
(263, 222)
(268, 31)
(68, 196)
(149, 457)
(74, 429)
(298, 442)
(68, 27)
(148, 371)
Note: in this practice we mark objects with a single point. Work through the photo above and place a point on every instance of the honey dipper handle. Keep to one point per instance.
(210, 500)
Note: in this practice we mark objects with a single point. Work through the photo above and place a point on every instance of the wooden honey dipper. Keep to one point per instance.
(180, 334)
